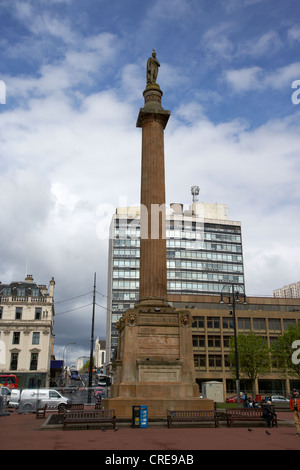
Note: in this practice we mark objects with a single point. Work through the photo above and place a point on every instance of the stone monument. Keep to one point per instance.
(154, 364)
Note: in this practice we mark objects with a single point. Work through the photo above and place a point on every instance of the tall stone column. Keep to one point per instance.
(154, 366)
(153, 259)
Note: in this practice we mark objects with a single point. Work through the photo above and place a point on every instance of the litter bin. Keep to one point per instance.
(140, 416)
(135, 416)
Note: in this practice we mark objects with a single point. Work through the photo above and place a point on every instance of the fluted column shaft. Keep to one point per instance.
(153, 258)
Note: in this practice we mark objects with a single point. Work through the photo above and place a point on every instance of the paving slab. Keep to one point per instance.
(25, 432)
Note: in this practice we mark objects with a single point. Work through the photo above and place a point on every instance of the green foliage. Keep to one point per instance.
(282, 351)
(253, 355)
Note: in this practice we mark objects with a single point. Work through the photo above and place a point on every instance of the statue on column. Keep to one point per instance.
(152, 68)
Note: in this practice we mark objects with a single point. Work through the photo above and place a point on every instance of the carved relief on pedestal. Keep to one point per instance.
(185, 319)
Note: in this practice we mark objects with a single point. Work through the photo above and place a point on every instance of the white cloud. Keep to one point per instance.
(256, 78)
(268, 43)
(294, 33)
(245, 79)
(70, 146)
(255, 172)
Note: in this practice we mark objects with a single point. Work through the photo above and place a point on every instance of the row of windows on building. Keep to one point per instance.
(204, 362)
(182, 264)
(243, 324)
(20, 291)
(197, 254)
(33, 365)
(19, 313)
(202, 276)
(187, 244)
(132, 234)
(17, 336)
(181, 286)
(210, 362)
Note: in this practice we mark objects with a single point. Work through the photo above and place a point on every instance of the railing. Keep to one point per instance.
(6, 299)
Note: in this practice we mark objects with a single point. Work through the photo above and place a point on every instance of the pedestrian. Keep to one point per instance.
(295, 407)
(268, 414)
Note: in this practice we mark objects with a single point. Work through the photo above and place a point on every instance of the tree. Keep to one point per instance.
(286, 351)
(253, 356)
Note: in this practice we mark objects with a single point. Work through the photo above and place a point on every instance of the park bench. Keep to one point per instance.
(196, 416)
(71, 407)
(90, 417)
(41, 412)
(247, 415)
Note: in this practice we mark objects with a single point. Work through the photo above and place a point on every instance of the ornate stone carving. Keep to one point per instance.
(185, 319)
(130, 318)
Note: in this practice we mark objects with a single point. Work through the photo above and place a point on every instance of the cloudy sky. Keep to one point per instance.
(72, 75)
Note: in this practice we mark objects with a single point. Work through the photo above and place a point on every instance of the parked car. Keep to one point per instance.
(279, 399)
(233, 399)
(30, 399)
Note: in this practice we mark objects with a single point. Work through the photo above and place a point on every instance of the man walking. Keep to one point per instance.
(295, 407)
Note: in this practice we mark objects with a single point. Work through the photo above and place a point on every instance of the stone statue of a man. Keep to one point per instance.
(152, 68)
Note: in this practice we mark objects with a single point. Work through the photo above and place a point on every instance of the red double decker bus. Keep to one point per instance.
(9, 380)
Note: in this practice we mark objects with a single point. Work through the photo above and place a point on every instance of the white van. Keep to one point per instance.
(31, 399)
(13, 401)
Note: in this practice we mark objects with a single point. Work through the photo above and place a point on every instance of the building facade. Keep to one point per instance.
(100, 354)
(290, 291)
(213, 326)
(204, 252)
(26, 331)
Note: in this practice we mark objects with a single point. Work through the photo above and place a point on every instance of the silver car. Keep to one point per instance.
(279, 399)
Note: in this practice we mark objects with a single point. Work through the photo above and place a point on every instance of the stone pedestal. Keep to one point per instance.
(155, 363)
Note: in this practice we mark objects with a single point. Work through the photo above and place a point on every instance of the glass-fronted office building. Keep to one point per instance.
(204, 255)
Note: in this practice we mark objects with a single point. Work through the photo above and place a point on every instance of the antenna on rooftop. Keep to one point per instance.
(195, 190)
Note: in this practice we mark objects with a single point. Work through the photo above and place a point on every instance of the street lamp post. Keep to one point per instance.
(232, 299)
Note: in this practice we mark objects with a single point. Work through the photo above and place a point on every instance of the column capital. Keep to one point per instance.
(153, 111)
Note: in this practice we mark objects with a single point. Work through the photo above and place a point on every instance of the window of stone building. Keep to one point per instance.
(16, 337)
(259, 324)
(14, 361)
(214, 342)
(274, 324)
(33, 361)
(226, 341)
(287, 322)
(198, 322)
(18, 315)
(213, 323)
(227, 323)
(36, 337)
(38, 313)
(200, 361)
(244, 324)
(199, 341)
(215, 362)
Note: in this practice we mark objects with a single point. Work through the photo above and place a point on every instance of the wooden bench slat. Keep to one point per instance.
(192, 416)
(90, 417)
(247, 414)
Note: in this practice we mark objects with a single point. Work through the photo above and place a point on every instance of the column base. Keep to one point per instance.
(157, 407)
